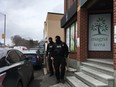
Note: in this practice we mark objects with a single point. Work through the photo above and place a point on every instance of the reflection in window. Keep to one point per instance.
(21, 55)
(13, 57)
(71, 36)
(67, 37)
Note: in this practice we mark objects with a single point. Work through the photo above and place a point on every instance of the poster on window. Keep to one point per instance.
(100, 32)
(72, 37)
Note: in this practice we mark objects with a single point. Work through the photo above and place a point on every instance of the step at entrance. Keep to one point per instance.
(94, 73)
(75, 82)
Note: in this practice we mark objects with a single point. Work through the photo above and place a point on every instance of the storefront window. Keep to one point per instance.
(75, 36)
(72, 38)
(71, 35)
(67, 37)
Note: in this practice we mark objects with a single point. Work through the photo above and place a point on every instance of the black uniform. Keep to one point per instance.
(60, 52)
(49, 54)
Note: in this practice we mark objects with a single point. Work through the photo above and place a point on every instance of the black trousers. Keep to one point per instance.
(50, 62)
(59, 65)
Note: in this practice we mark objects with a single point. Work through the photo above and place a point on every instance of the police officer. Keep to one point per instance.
(49, 54)
(60, 53)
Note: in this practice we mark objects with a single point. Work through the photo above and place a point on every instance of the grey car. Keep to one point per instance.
(15, 69)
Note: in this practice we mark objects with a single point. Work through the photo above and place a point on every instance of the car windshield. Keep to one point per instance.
(30, 55)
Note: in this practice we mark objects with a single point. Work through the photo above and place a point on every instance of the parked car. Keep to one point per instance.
(39, 52)
(34, 57)
(42, 50)
(15, 69)
(20, 48)
(33, 49)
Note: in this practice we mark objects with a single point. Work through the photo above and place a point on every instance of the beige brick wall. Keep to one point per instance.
(53, 27)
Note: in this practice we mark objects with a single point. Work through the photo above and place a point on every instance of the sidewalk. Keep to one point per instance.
(61, 85)
(51, 81)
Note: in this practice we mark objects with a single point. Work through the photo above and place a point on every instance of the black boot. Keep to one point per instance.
(58, 81)
(62, 81)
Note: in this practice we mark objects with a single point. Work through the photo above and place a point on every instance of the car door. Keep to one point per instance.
(14, 59)
(28, 64)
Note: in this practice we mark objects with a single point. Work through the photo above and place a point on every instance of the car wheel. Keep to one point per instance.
(19, 84)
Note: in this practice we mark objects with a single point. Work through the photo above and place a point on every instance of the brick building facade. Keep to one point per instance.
(95, 29)
(81, 12)
(114, 24)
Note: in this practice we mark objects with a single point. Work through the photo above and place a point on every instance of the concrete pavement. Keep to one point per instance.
(51, 82)
(43, 80)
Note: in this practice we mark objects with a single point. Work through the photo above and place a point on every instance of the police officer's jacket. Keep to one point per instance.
(49, 48)
(60, 50)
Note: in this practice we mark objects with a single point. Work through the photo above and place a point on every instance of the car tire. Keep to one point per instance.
(32, 76)
(19, 84)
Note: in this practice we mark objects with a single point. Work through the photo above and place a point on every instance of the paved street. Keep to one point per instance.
(42, 80)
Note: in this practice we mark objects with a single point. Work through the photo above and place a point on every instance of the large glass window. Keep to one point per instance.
(72, 38)
(71, 35)
(67, 37)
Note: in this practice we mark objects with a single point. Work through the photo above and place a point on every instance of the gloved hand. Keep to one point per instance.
(52, 58)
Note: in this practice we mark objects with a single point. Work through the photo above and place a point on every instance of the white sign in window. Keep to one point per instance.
(100, 32)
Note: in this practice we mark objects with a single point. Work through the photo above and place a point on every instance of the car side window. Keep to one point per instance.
(13, 57)
(22, 56)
